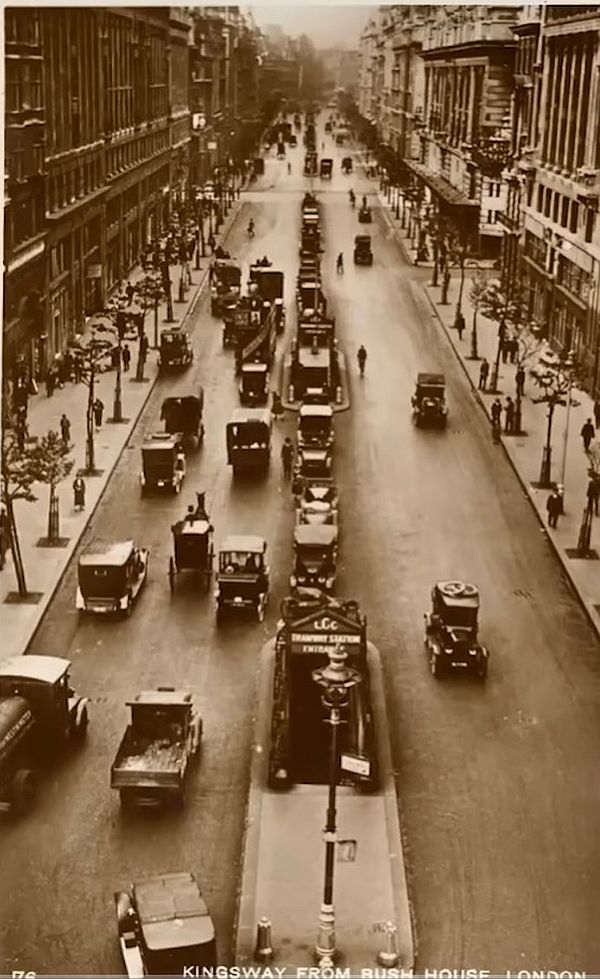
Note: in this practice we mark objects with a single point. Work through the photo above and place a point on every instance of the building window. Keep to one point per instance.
(564, 218)
(540, 199)
(14, 87)
(547, 202)
(574, 217)
(590, 218)
(555, 206)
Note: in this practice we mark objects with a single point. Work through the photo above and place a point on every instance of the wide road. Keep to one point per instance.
(498, 783)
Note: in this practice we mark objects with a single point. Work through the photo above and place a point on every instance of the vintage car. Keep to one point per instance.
(164, 927)
(315, 426)
(183, 417)
(310, 164)
(428, 401)
(40, 716)
(175, 349)
(326, 168)
(314, 462)
(163, 463)
(249, 440)
(225, 279)
(364, 215)
(162, 739)
(347, 164)
(110, 575)
(243, 575)
(451, 630)
(270, 285)
(342, 136)
(254, 384)
(316, 501)
(193, 548)
(315, 556)
(362, 250)
(328, 126)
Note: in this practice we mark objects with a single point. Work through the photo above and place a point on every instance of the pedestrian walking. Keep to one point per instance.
(460, 325)
(587, 433)
(50, 382)
(78, 493)
(68, 365)
(126, 353)
(212, 241)
(98, 408)
(65, 429)
(509, 416)
(287, 457)
(496, 412)
(597, 412)
(520, 379)
(504, 349)
(593, 493)
(513, 349)
(484, 370)
(554, 508)
(340, 263)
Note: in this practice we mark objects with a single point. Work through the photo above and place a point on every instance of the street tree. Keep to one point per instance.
(476, 293)
(458, 251)
(113, 328)
(555, 378)
(149, 291)
(51, 464)
(510, 310)
(18, 477)
(92, 356)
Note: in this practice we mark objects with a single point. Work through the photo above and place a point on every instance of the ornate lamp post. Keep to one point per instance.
(336, 680)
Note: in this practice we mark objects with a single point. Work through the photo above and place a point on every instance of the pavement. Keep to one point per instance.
(524, 451)
(45, 565)
(284, 856)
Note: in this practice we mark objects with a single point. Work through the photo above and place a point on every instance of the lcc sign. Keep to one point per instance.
(323, 633)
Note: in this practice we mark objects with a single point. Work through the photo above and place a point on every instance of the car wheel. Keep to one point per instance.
(127, 609)
(435, 667)
(171, 574)
(24, 791)
(483, 668)
(260, 610)
(177, 487)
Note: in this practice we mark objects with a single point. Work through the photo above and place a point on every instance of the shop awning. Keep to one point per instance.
(439, 186)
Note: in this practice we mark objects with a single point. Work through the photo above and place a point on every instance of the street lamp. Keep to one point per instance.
(569, 363)
(477, 286)
(336, 680)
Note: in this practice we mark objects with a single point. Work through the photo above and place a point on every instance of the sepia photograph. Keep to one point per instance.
(299, 491)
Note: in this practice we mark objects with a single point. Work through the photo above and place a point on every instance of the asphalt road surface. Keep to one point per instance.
(498, 783)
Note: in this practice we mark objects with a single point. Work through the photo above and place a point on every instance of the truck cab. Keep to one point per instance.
(40, 714)
(249, 440)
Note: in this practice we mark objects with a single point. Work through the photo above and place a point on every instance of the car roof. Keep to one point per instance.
(316, 411)
(195, 528)
(107, 553)
(434, 380)
(165, 698)
(160, 441)
(46, 669)
(315, 534)
(470, 600)
(244, 542)
(251, 415)
(254, 368)
(174, 331)
(309, 454)
(172, 912)
(362, 238)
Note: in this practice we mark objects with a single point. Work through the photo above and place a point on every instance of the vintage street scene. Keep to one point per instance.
(300, 481)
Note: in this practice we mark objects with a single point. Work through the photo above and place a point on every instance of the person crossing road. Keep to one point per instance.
(362, 359)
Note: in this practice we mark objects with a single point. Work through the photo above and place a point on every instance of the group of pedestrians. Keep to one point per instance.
(509, 409)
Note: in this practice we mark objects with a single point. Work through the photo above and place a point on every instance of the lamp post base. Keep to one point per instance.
(325, 947)
(546, 467)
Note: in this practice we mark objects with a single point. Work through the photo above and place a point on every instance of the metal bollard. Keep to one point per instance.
(263, 951)
(389, 957)
(291, 392)
(338, 395)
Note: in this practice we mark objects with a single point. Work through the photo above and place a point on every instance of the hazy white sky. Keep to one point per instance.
(327, 26)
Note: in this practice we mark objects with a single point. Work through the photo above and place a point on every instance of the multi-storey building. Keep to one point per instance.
(368, 74)
(99, 150)
(468, 54)
(561, 234)
(24, 192)
(407, 91)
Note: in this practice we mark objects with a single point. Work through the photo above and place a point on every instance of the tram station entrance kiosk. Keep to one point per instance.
(300, 735)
